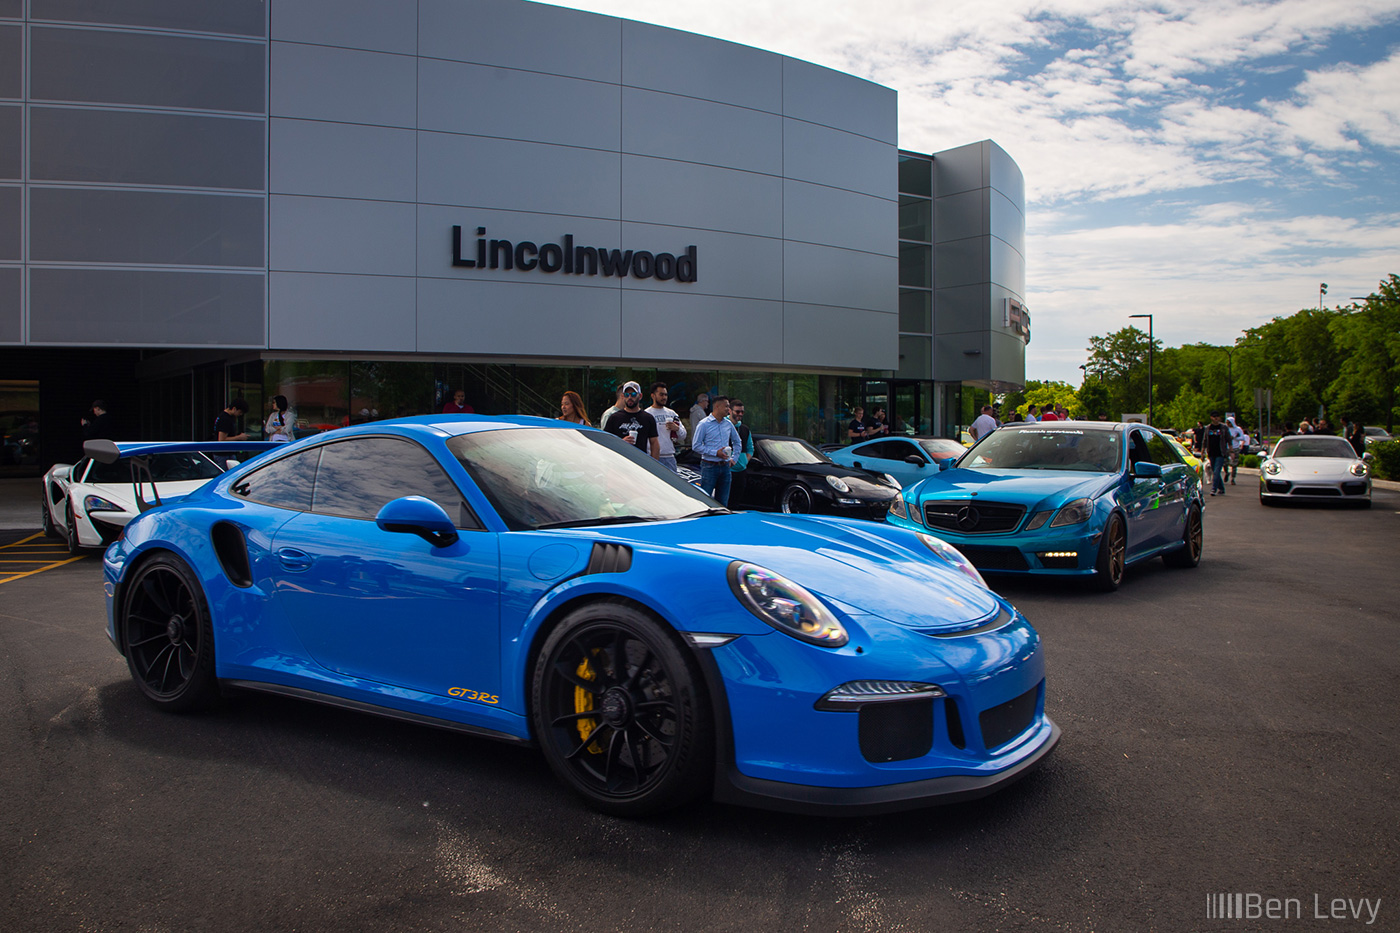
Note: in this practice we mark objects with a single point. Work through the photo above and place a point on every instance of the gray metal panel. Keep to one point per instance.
(727, 264)
(530, 36)
(958, 170)
(239, 17)
(959, 216)
(671, 127)
(1005, 220)
(534, 177)
(340, 235)
(830, 98)
(350, 86)
(93, 225)
(841, 277)
(951, 362)
(660, 191)
(145, 308)
(12, 61)
(14, 9)
(176, 149)
(866, 223)
(11, 319)
(699, 66)
(849, 338)
(308, 311)
(92, 66)
(961, 310)
(435, 225)
(678, 326)
(1007, 268)
(10, 214)
(374, 25)
(11, 141)
(1005, 175)
(342, 160)
(490, 317)
(1008, 358)
(843, 160)
(962, 262)
(490, 101)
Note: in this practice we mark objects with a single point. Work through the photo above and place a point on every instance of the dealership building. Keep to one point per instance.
(365, 204)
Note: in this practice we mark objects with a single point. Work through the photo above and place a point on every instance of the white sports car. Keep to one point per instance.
(1315, 467)
(88, 503)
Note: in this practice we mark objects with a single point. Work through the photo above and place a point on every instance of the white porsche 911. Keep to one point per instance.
(87, 503)
(1315, 467)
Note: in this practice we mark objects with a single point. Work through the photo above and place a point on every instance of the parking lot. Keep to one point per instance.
(1231, 729)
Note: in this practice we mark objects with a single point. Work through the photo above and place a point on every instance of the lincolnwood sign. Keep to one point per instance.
(569, 259)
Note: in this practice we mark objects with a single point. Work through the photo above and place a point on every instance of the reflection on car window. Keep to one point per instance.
(1162, 452)
(165, 468)
(942, 448)
(357, 477)
(1046, 449)
(1323, 446)
(284, 483)
(539, 477)
(786, 451)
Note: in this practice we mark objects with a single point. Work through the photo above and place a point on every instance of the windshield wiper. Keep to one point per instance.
(609, 520)
(704, 512)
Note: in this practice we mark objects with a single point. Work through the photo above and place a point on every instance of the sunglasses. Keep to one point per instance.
(630, 392)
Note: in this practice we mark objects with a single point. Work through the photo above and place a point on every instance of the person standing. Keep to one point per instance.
(743, 451)
(226, 422)
(856, 431)
(1198, 436)
(878, 427)
(279, 428)
(698, 411)
(1032, 414)
(1049, 414)
(98, 423)
(632, 424)
(715, 440)
(571, 409)
(985, 424)
(1357, 438)
(458, 405)
(670, 428)
(1217, 447)
(1238, 441)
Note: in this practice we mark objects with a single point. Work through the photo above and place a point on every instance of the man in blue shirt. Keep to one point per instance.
(715, 440)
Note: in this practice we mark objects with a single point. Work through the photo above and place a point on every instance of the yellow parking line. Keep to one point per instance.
(22, 541)
(29, 573)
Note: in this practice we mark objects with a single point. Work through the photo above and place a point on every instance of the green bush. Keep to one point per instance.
(1386, 464)
(1251, 461)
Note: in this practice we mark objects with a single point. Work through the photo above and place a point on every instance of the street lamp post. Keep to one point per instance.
(1151, 346)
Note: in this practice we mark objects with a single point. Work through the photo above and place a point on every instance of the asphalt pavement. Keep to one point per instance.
(1230, 729)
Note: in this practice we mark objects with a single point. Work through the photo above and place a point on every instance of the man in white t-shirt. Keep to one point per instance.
(984, 425)
(669, 426)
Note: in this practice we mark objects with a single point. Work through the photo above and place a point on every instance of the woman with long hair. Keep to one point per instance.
(279, 427)
(571, 409)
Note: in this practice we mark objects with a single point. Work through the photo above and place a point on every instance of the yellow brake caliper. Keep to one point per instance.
(583, 703)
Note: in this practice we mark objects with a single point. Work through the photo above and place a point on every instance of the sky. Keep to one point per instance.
(1209, 162)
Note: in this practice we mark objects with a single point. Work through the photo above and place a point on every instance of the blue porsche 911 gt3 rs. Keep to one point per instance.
(544, 584)
(1066, 498)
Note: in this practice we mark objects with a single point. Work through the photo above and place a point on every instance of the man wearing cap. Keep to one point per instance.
(632, 423)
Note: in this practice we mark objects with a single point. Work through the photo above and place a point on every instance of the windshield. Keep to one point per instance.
(1046, 449)
(165, 468)
(785, 451)
(942, 448)
(1314, 447)
(558, 477)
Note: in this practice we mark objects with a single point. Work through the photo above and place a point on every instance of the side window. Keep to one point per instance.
(1137, 449)
(901, 449)
(885, 450)
(356, 477)
(1161, 452)
(284, 483)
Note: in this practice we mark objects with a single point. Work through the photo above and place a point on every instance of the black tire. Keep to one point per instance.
(1192, 541)
(47, 522)
(167, 635)
(1113, 554)
(650, 746)
(795, 500)
(75, 549)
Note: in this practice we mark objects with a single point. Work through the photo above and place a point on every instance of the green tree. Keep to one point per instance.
(1368, 336)
(1119, 362)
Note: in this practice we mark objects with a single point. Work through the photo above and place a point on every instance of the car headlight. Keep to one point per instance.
(1358, 469)
(786, 606)
(898, 509)
(99, 504)
(1271, 467)
(1072, 513)
(891, 480)
(953, 556)
(838, 484)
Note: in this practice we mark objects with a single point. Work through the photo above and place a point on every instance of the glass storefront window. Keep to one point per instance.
(317, 391)
(19, 426)
(389, 390)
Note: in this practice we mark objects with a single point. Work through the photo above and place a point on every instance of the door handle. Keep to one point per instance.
(293, 559)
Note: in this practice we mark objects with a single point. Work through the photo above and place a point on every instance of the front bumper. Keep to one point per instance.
(1330, 490)
(1067, 552)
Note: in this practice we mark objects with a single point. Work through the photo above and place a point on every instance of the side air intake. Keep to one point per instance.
(233, 553)
(609, 558)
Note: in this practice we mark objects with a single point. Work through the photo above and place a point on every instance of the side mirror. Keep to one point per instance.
(62, 472)
(420, 516)
(946, 465)
(1368, 457)
(1144, 470)
(915, 460)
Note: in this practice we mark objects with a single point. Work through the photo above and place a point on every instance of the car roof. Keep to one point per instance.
(1075, 425)
(452, 425)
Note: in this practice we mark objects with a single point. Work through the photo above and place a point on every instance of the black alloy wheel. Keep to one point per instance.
(1113, 553)
(620, 712)
(167, 635)
(795, 500)
(74, 547)
(1192, 541)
